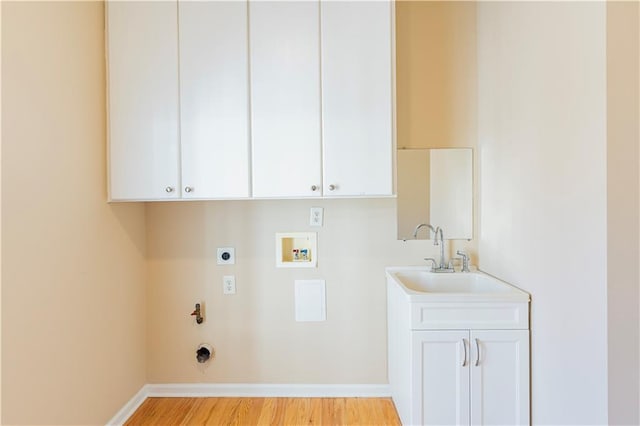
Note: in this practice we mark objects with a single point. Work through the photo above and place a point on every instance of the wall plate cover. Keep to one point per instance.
(310, 300)
(316, 216)
(229, 284)
(226, 256)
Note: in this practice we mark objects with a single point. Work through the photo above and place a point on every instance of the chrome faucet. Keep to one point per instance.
(422, 225)
(442, 267)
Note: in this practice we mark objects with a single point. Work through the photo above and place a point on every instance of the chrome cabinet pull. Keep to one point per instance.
(332, 187)
(314, 188)
(477, 352)
(188, 189)
(169, 189)
(464, 345)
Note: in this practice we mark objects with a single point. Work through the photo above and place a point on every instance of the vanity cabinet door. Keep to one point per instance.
(142, 50)
(500, 377)
(440, 378)
(285, 98)
(357, 128)
(214, 104)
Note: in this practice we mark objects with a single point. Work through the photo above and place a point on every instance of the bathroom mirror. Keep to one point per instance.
(435, 186)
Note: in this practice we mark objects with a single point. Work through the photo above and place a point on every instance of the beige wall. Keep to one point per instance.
(74, 270)
(73, 267)
(254, 332)
(623, 279)
(543, 147)
(436, 74)
(0, 222)
(436, 86)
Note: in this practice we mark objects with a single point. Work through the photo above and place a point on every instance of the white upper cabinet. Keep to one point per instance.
(240, 99)
(285, 98)
(142, 40)
(214, 108)
(357, 108)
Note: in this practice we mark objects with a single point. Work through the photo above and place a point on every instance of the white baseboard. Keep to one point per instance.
(266, 390)
(256, 390)
(129, 408)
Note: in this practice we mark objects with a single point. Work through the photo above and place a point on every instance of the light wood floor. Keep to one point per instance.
(266, 411)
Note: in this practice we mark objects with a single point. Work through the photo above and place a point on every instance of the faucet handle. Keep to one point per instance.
(433, 262)
(465, 260)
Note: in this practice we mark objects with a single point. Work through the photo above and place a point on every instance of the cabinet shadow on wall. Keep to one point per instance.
(435, 186)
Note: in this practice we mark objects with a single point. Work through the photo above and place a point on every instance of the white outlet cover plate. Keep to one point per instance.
(316, 216)
(232, 256)
(229, 284)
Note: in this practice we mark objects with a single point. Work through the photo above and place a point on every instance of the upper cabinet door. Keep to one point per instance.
(142, 42)
(214, 78)
(357, 97)
(285, 98)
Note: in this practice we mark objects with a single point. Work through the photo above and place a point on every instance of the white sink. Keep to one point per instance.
(454, 341)
(420, 284)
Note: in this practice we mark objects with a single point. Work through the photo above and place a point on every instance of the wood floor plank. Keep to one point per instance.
(272, 412)
(266, 411)
(365, 415)
(249, 411)
(390, 414)
(315, 411)
(352, 412)
(373, 408)
(226, 412)
(201, 411)
(333, 411)
(146, 410)
(164, 411)
(294, 413)
(177, 410)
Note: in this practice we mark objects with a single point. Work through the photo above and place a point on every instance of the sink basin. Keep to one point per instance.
(420, 284)
(423, 281)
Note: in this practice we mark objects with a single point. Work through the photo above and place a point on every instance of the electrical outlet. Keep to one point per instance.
(315, 218)
(229, 284)
(226, 256)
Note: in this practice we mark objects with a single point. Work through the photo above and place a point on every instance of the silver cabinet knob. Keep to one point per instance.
(332, 187)
(188, 189)
(314, 187)
(169, 189)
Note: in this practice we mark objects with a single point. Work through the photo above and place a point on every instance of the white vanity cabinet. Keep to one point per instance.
(458, 348)
(477, 377)
(500, 380)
